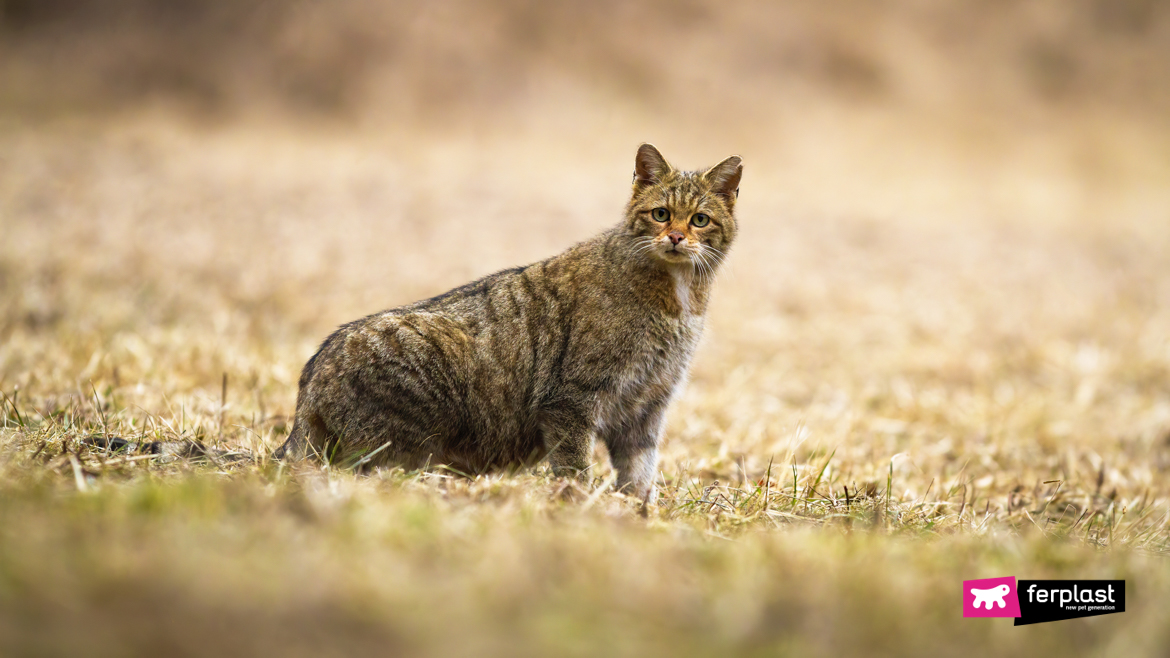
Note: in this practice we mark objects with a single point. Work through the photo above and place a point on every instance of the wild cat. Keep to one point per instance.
(538, 361)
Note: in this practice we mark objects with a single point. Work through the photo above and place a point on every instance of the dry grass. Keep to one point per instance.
(940, 351)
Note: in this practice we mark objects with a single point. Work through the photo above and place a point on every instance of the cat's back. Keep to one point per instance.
(495, 342)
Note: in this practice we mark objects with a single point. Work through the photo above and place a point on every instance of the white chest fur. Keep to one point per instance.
(682, 289)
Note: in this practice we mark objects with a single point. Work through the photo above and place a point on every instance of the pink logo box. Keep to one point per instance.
(991, 597)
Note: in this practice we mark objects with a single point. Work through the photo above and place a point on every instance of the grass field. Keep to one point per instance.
(940, 350)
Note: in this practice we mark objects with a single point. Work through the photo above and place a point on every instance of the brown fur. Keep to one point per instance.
(537, 361)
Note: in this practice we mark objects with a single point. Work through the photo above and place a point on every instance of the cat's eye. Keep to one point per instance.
(660, 214)
(700, 220)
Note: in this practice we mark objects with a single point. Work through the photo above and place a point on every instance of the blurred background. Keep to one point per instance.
(1069, 86)
(997, 66)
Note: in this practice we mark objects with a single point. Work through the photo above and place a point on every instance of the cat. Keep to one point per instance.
(535, 362)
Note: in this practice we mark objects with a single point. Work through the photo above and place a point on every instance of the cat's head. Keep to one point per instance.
(682, 217)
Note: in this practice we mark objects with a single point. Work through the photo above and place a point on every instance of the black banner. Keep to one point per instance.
(1053, 600)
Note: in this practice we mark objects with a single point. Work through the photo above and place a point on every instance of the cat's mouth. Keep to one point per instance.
(673, 253)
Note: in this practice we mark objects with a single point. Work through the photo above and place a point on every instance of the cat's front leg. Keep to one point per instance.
(567, 430)
(633, 451)
(636, 473)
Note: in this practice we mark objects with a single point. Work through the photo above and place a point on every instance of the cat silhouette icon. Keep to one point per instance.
(992, 595)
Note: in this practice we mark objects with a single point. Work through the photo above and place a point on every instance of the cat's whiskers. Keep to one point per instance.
(714, 257)
(703, 265)
(641, 244)
(644, 248)
(718, 253)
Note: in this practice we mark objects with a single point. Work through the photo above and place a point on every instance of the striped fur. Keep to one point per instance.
(534, 362)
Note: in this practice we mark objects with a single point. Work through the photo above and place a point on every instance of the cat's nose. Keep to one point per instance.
(675, 237)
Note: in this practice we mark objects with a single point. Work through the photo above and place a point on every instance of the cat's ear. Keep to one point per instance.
(649, 166)
(724, 177)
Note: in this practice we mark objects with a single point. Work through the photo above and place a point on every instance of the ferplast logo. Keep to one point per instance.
(991, 597)
(1053, 600)
(1037, 601)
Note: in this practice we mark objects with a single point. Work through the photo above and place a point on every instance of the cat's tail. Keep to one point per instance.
(184, 448)
(295, 446)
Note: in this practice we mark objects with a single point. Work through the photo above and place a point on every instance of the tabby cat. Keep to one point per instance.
(535, 362)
